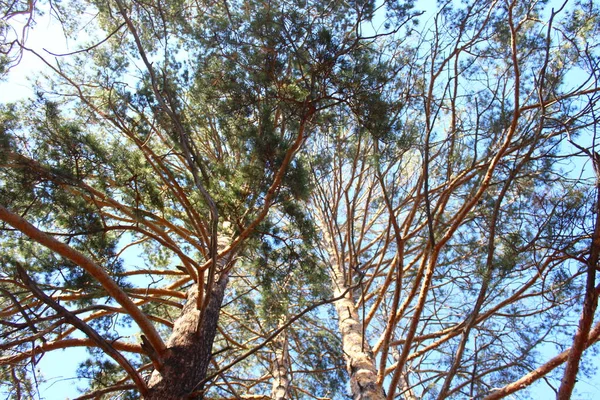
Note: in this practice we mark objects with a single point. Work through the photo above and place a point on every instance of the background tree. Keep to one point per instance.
(322, 193)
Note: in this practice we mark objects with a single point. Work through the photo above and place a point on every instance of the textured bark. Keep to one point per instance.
(189, 348)
(360, 361)
(188, 352)
(281, 368)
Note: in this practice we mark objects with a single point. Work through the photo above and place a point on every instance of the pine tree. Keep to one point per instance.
(329, 199)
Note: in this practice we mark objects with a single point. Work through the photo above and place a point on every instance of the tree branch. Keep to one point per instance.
(85, 328)
(90, 267)
(541, 371)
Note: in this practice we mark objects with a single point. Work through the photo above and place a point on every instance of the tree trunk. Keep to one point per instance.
(188, 351)
(360, 361)
(281, 367)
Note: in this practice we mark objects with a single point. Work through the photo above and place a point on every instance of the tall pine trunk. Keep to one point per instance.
(360, 361)
(281, 367)
(189, 348)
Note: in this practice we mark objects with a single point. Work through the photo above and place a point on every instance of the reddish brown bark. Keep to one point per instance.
(189, 348)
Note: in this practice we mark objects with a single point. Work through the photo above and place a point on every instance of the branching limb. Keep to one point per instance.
(85, 328)
(541, 371)
(90, 267)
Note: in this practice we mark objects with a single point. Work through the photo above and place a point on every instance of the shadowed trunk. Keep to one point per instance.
(281, 366)
(189, 348)
(188, 352)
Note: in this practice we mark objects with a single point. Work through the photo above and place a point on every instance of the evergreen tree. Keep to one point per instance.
(329, 199)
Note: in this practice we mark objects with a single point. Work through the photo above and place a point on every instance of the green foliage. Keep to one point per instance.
(99, 373)
(320, 349)
(300, 122)
(15, 383)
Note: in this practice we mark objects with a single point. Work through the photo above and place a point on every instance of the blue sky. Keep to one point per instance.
(59, 367)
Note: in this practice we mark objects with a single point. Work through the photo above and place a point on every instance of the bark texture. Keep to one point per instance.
(281, 368)
(188, 352)
(189, 348)
(360, 361)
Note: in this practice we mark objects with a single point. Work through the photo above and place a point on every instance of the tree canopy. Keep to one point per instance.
(329, 200)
